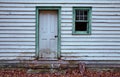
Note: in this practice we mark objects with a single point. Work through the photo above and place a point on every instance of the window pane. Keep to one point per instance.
(80, 26)
(81, 15)
(85, 15)
(85, 12)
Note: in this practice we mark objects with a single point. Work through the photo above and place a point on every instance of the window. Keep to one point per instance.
(81, 20)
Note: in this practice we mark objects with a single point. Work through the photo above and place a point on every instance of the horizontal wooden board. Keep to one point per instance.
(61, 1)
(17, 32)
(105, 24)
(92, 55)
(66, 9)
(15, 35)
(16, 13)
(91, 47)
(90, 39)
(17, 24)
(16, 47)
(17, 17)
(66, 13)
(17, 20)
(109, 17)
(91, 58)
(90, 51)
(66, 17)
(20, 5)
(106, 9)
(66, 24)
(106, 13)
(16, 54)
(16, 58)
(72, 43)
(8, 27)
(103, 20)
(97, 4)
(17, 51)
(86, 36)
(19, 9)
(17, 39)
(17, 43)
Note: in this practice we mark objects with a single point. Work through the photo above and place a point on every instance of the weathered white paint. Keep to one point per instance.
(48, 31)
(90, 51)
(17, 24)
(17, 30)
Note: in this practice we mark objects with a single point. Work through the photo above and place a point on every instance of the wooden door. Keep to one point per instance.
(48, 34)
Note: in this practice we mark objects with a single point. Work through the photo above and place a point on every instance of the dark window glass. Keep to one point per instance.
(81, 23)
(81, 26)
(81, 15)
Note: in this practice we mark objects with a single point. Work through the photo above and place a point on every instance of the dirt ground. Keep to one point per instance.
(22, 72)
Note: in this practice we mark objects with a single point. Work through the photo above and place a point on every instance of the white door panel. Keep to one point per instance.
(47, 33)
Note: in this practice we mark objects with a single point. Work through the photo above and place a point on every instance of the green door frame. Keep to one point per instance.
(38, 8)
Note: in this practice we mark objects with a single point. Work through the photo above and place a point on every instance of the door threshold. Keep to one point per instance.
(48, 58)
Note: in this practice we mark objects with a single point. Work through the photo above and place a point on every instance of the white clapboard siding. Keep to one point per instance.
(105, 16)
(16, 35)
(105, 24)
(92, 58)
(31, 28)
(17, 17)
(16, 13)
(86, 36)
(18, 39)
(17, 54)
(17, 51)
(106, 9)
(90, 47)
(89, 51)
(106, 13)
(16, 42)
(20, 47)
(17, 20)
(18, 9)
(17, 30)
(17, 24)
(17, 58)
(90, 43)
(97, 4)
(91, 39)
(93, 54)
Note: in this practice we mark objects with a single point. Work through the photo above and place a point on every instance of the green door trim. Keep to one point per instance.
(38, 8)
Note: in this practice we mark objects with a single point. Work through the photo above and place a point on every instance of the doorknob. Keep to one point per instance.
(55, 36)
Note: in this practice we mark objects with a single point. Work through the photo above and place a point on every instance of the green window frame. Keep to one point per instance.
(81, 20)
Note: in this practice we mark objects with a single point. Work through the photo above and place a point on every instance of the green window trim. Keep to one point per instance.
(37, 29)
(88, 31)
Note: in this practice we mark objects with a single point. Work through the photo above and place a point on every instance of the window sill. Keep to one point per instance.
(81, 33)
